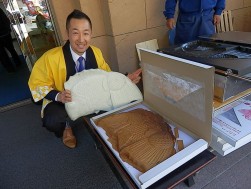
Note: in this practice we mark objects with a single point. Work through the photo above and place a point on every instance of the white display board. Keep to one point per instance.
(232, 126)
(232, 123)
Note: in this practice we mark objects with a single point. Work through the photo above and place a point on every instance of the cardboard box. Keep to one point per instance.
(181, 91)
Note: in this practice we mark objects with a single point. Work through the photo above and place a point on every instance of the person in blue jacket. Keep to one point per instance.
(195, 18)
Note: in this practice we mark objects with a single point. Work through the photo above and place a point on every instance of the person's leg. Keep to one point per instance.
(10, 47)
(56, 120)
(4, 58)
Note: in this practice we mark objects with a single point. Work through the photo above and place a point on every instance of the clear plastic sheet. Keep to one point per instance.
(182, 92)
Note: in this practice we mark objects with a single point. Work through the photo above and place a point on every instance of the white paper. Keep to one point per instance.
(235, 121)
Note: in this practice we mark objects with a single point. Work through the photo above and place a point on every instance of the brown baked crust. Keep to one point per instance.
(142, 138)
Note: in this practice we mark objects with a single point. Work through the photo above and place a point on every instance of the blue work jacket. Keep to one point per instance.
(193, 6)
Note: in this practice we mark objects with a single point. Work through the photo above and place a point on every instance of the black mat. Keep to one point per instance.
(14, 86)
(32, 157)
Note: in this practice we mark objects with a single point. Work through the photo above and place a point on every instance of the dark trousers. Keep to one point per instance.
(55, 117)
(7, 44)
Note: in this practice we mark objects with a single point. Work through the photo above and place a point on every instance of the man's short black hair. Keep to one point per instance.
(77, 14)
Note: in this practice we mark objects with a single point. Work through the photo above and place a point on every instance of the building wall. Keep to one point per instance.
(119, 24)
(60, 10)
(241, 14)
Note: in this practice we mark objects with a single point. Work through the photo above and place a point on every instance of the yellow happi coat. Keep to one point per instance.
(52, 70)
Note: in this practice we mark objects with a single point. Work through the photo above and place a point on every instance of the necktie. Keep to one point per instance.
(81, 65)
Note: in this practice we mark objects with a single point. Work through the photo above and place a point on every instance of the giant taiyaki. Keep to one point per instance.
(95, 90)
(142, 138)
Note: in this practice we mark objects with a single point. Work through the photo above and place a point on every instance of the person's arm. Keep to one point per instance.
(5, 25)
(170, 23)
(135, 76)
(43, 81)
(170, 8)
(52, 95)
(169, 13)
(216, 19)
(220, 6)
(64, 96)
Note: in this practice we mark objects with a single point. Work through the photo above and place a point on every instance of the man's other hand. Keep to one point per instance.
(135, 76)
(64, 96)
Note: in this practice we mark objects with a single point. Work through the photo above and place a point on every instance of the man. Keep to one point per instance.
(56, 66)
(195, 18)
(6, 43)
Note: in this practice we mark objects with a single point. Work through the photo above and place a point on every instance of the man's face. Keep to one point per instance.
(79, 35)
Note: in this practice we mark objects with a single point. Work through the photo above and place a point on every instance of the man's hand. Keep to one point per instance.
(170, 23)
(134, 77)
(64, 96)
(216, 19)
